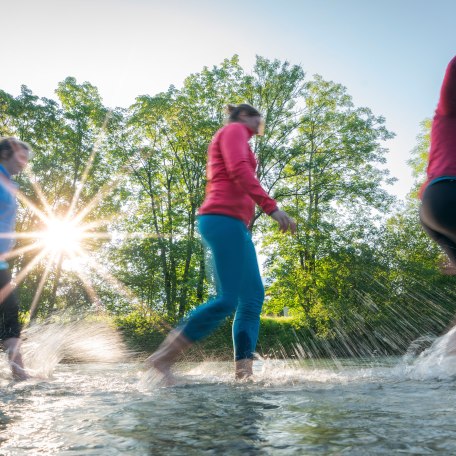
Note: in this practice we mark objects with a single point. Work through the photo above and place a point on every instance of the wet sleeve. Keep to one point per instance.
(447, 101)
(236, 155)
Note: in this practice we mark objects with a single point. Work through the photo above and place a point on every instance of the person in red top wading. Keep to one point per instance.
(231, 194)
(438, 193)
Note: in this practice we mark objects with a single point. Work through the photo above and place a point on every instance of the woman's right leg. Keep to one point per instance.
(246, 323)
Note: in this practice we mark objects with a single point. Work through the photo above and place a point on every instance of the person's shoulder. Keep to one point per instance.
(8, 188)
(235, 128)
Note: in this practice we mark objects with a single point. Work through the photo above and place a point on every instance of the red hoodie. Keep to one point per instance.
(232, 187)
(442, 154)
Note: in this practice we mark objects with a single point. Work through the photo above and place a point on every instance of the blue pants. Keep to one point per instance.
(238, 284)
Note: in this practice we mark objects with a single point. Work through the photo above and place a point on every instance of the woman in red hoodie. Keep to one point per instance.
(438, 207)
(231, 194)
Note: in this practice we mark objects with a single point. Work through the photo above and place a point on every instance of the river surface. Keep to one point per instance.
(364, 407)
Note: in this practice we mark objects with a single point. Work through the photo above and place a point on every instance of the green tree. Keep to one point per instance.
(333, 188)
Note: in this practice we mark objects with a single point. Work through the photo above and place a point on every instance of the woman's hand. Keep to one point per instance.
(284, 220)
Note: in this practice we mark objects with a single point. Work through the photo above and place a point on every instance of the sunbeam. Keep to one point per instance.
(21, 250)
(88, 166)
(39, 290)
(62, 241)
(105, 274)
(38, 191)
(8, 288)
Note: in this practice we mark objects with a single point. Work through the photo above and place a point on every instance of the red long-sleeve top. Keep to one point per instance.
(232, 186)
(442, 154)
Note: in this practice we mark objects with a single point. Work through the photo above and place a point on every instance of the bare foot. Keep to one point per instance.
(19, 373)
(158, 362)
(12, 346)
(165, 357)
(243, 369)
(158, 378)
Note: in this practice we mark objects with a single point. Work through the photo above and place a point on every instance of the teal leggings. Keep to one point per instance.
(239, 287)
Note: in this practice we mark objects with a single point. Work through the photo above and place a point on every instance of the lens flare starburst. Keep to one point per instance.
(63, 236)
(67, 242)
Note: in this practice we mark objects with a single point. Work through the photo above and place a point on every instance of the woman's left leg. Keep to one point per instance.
(246, 322)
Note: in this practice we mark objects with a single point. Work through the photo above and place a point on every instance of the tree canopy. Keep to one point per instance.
(359, 263)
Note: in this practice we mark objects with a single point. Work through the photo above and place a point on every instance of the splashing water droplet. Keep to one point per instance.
(46, 345)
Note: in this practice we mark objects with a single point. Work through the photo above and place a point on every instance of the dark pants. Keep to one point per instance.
(9, 310)
(438, 215)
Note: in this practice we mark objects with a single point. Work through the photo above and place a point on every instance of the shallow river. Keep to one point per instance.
(324, 408)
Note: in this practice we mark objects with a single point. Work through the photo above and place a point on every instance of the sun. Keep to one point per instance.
(62, 236)
(67, 242)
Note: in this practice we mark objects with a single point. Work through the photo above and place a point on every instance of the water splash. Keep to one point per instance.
(272, 373)
(438, 361)
(46, 345)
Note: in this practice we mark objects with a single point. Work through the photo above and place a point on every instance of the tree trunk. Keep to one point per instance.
(201, 277)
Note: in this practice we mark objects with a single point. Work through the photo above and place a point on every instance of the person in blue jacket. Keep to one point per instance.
(14, 156)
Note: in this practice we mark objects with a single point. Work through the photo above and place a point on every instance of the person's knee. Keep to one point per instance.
(215, 310)
(248, 313)
(225, 306)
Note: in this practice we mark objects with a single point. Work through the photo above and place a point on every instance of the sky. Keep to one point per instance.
(389, 54)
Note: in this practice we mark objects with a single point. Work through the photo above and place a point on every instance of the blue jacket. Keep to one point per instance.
(8, 208)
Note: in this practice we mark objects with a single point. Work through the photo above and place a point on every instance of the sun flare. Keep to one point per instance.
(62, 236)
(67, 242)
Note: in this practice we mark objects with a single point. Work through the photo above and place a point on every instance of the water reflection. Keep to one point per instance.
(355, 408)
(197, 418)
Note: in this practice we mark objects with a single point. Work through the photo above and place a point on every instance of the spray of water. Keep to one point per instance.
(438, 361)
(46, 345)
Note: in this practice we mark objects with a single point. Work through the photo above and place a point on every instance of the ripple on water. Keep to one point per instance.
(356, 407)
